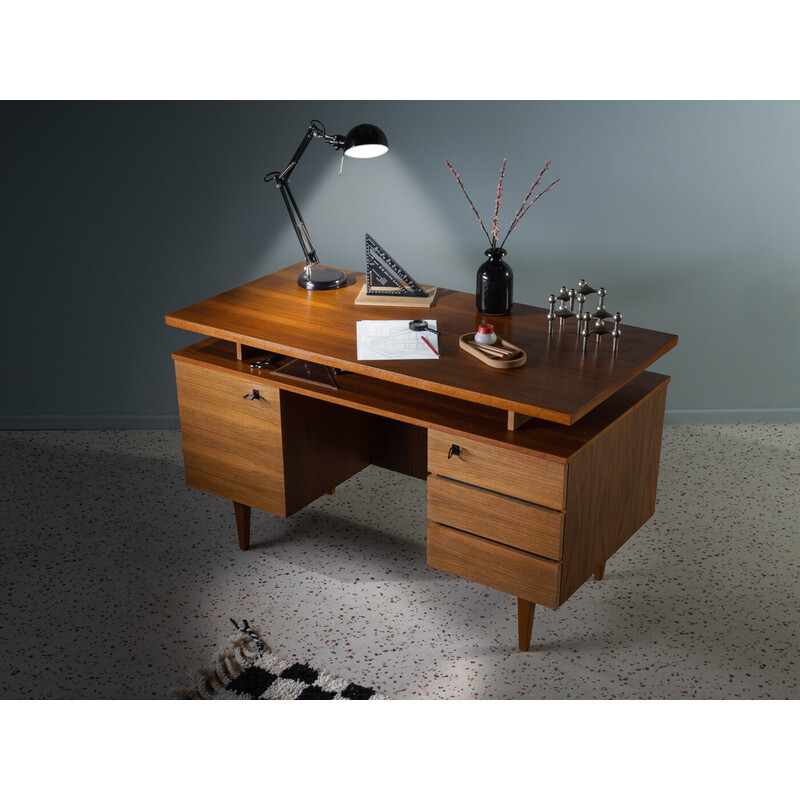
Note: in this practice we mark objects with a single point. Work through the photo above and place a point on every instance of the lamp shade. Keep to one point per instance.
(365, 141)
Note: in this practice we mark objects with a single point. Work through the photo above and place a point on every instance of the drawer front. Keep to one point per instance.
(496, 565)
(493, 516)
(231, 444)
(527, 477)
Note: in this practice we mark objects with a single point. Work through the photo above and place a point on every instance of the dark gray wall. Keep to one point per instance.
(115, 213)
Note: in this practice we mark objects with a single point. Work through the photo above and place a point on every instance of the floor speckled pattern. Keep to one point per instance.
(117, 580)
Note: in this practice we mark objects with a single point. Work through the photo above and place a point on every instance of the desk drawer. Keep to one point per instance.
(527, 477)
(496, 565)
(232, 445)
(493, 516)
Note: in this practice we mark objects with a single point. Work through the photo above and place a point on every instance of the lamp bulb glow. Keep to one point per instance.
(366, 150)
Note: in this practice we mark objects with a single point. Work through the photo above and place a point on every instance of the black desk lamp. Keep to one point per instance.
(363, 141)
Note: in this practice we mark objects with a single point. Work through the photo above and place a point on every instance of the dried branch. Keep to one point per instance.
(498, 200)
(523, 209)
(471, 204)
(530, 205)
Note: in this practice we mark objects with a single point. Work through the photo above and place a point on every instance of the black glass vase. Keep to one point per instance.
(495, 285)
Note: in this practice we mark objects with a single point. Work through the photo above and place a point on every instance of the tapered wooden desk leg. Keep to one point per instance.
(525, 610)
(242, 524)
(598, 576)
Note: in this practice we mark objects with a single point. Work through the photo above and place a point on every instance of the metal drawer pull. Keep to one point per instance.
(254, 395)
(454, 450)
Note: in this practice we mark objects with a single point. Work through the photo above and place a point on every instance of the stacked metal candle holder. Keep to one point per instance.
(567, 299)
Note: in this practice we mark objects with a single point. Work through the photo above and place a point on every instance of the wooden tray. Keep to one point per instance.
(467, 342)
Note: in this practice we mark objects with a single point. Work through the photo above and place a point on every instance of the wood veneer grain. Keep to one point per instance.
(497, 517)
(559, 383)
(521, 475)
(277, 453)
(496, 565)
(231, 445)
(323, 446)
(612, 490)
(431, 410)
(591, 446)
(398, 446)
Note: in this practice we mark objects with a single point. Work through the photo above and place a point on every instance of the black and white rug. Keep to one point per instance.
(249, 671)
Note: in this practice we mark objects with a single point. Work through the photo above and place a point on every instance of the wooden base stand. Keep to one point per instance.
(398, 301)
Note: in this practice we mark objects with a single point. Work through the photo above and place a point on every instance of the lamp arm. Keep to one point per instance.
(316, 130)
(298, 223)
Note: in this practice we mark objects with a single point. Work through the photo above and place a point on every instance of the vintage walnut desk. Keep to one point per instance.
(536, 476)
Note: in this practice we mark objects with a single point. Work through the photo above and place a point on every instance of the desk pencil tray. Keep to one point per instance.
(467, 342)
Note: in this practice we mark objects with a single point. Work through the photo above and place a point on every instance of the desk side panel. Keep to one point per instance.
(611, 489)
(323, 445)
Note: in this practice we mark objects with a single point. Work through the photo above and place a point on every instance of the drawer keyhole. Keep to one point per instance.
(454, 450)
(254, 395)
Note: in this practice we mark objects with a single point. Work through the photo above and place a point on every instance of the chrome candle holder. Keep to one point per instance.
(567, 299)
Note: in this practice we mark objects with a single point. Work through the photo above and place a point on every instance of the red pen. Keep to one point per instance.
(429, 345)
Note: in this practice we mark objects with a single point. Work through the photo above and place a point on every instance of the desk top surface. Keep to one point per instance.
(559, 382)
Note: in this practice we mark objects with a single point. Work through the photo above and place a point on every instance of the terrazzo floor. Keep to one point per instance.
(117, 580)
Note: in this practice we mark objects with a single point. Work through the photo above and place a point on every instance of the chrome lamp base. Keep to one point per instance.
(321, 278)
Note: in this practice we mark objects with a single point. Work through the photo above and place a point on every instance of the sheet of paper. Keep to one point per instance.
(391, 339)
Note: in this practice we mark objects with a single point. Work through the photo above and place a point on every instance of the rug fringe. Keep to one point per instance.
(247, 647)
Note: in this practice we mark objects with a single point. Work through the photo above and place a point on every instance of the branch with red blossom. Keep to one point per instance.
(471, 204)
(523, 209)
(498, 200)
